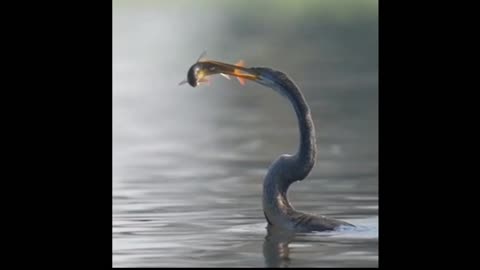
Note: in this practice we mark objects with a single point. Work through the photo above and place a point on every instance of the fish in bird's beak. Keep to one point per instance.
(199, 72)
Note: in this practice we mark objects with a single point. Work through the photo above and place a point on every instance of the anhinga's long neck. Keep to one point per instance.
(304, 159)
(299, 165)
(288, 169)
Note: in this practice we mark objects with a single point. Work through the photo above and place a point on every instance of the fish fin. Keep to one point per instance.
(205, 81)
(225, 76)
(202, 55)
(237, 71)
(240, 63)
(182, 82)
(241, 80)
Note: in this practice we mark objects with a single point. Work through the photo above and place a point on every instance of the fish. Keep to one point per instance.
(199, 72)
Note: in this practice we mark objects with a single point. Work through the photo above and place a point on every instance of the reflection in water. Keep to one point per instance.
(275, 247)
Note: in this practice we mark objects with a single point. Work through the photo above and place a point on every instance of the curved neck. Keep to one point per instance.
(288, 169)
(304, 159)
(300, 164)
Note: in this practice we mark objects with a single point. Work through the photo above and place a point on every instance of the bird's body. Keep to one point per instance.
(287, 168)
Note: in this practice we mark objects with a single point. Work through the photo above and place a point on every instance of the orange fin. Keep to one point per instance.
(241, 80)
(237, 71)
(240, 63)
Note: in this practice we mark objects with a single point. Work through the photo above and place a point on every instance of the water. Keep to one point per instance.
(188, 163)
